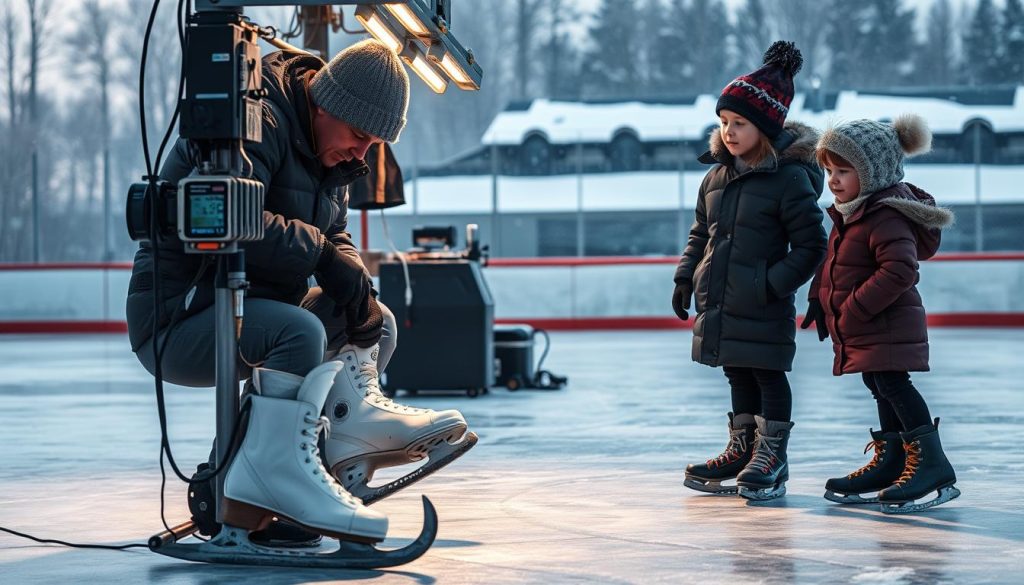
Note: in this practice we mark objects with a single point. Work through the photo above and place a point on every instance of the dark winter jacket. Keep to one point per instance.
(757, 237)
(867, 284)
(304, 201)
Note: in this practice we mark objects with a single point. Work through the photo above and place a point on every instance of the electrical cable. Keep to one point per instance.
(74, 544)
(542, 378)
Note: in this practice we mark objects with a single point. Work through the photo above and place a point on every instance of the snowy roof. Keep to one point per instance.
(567, 122)
(664, 191)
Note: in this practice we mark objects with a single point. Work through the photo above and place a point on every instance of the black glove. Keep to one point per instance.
(681, 299)
(342, 277)
(364, 322)
(816, 314)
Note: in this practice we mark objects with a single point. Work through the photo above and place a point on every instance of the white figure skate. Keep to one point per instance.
(370, 431)
(278, 472)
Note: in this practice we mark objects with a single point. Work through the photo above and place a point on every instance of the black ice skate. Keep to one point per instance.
(708, 476)
(883, 469)
(765, 477)
(926, 470)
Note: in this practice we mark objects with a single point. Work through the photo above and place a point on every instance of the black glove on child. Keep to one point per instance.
(816, 314)
(681, 299)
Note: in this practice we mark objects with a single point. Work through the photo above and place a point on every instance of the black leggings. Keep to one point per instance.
(900, 406)
(757, 391)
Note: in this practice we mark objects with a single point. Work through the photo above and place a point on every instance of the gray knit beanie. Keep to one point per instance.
(877, 149)
(365, 86)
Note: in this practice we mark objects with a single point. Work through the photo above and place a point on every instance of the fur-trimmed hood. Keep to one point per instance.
(796, 144)
(918, 206)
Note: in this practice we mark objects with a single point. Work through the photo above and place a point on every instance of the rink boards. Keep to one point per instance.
(556, 293)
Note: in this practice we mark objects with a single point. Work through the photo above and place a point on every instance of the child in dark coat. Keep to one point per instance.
(756, 239)
(865, 297)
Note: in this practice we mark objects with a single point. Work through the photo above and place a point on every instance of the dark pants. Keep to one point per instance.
(275, 335)
(900, 406)
(757, 391)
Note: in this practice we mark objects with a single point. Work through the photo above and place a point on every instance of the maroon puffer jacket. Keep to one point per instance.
(867, 284)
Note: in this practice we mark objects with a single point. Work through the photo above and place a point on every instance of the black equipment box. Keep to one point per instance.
(513, 356)
(446, 336)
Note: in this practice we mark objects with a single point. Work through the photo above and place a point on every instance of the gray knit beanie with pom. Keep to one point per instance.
(877, 149)
(365, 86)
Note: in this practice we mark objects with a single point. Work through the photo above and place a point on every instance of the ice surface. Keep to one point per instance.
(583, 485)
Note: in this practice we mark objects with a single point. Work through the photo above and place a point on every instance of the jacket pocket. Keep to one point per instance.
(700, 284)
(761, 281)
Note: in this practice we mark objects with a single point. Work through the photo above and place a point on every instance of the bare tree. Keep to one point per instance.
(527, 19)
(755, 31)
(94, 46)
(163, 68)
(791, 18)
(936, 54)
(37, 13)
(557, 52)
(9, 24)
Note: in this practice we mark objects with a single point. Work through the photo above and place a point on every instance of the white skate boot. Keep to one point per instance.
(277, 470)
(370, 431)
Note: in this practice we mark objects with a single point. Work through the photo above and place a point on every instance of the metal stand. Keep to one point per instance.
(230, 285)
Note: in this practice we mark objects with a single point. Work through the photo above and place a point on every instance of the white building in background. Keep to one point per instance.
(620, 178)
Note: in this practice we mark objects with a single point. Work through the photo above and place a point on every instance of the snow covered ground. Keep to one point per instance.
(583, 485)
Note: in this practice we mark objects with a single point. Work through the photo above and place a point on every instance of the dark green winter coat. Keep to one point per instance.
(757, 237)
(304, 203)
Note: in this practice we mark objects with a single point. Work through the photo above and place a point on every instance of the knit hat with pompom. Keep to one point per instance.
(877, 149)
(763, 97)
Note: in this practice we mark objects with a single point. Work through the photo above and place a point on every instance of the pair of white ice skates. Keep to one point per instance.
(280, 472)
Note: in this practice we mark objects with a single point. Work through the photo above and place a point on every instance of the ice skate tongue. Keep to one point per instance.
(318, 384)
(275, 384)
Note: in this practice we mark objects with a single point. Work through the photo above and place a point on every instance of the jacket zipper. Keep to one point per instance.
(831, 299)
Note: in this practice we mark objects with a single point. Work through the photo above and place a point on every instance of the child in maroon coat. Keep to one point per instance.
(865, 297)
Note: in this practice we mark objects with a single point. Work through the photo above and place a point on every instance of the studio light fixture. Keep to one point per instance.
(419, 31)
(406, 15)
(377, 26)
(418, 62)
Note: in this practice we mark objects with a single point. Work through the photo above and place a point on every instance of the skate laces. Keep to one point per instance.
(764, 453)
(879, 447)
(913, 460)
(733, 451)
(368, 381)
(320, 425)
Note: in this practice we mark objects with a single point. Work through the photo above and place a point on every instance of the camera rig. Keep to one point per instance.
(221, 206)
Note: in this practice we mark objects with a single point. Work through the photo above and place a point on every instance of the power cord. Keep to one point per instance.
(542, 378)
(405, 269)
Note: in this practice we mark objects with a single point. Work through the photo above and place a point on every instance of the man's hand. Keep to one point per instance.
(342, 277)
(816, 315)
(681, 299)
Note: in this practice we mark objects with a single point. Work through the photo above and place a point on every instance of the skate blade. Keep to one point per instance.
(232, 546)
(439, 457)
(253, 518)
(849, 498)
(709, 486)
(945, 494)
(762, 494)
